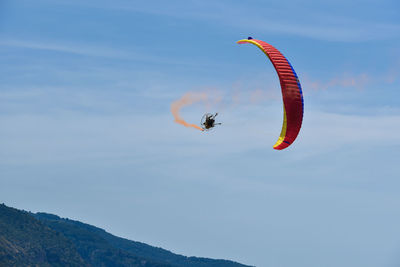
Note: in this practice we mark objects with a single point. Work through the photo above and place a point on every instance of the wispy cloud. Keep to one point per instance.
(65, 48)
(91, 50)
(324, 130)
(318, 23)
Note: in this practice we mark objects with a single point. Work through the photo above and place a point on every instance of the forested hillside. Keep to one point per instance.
(29, 239)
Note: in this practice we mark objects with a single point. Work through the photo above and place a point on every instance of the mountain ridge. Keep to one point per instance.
(88, 245)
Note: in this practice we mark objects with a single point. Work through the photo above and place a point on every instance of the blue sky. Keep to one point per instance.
(86, 130)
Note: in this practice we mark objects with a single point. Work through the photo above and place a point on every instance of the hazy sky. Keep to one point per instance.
(86, 130)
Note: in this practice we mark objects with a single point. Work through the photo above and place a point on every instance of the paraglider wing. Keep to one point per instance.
(293, 105)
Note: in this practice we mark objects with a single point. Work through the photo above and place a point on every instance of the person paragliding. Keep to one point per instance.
(208, 121)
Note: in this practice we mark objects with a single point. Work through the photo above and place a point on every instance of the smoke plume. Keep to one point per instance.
(186, 100)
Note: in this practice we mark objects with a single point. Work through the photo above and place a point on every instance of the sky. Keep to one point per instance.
(86, 130)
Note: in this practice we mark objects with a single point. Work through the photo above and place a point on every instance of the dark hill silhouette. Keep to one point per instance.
(24, 241)
(29, 239)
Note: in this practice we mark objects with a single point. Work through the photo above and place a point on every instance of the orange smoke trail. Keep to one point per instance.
(186, 100)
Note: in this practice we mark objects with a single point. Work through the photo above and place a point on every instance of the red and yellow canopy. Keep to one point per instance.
(293, 105)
